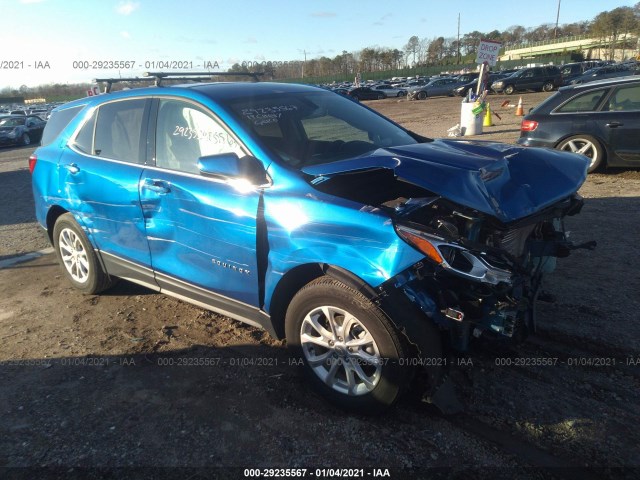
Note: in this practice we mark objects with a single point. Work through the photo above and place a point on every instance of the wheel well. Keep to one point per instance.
(297, 278)
(52, 216)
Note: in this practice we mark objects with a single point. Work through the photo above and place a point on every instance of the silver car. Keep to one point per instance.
(390, 91)
(436, 87)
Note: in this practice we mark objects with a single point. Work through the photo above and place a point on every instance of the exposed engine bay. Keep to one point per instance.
(480, 276)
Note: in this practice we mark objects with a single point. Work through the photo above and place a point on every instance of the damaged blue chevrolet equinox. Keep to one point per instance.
(369, 248)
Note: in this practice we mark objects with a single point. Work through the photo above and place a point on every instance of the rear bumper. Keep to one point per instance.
(534, 142)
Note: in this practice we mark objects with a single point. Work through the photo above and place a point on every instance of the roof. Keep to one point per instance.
(600, 83)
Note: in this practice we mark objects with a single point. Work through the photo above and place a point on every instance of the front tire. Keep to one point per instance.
(351, 353)
(508, 90)
(77, 257)
(422, 95)
(585, 145)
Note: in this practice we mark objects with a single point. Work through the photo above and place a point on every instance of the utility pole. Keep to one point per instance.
(305, 61)
(555, 31)
(458, 57)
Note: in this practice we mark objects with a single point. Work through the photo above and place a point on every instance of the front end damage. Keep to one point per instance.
(480, 277)
(489, 220)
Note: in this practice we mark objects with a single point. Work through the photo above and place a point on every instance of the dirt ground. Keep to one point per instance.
(134, 384)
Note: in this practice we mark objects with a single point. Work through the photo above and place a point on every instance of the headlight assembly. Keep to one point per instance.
(454, 258)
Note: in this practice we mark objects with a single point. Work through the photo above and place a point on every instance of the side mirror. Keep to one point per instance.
(228, 166)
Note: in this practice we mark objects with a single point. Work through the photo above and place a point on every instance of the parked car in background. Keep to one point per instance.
(467, 77)
(390, 91)
(341, 91)
(544, 78)
(606, 71)
(371, 249)
(21, 129)
(570, 71)
(463, 90)
(436, 87)
(366, 93)
(600, 119)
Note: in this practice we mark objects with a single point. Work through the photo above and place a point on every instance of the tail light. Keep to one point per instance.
(528, 125)
(32, 163)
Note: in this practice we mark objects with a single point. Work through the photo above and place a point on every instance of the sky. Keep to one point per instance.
(52, 41)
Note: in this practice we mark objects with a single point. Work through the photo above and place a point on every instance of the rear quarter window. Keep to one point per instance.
(57, 122)
(587, 102)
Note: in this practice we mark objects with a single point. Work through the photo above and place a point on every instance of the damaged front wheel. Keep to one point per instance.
(351, 353)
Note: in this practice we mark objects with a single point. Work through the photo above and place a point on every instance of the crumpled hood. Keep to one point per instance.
(506, 181)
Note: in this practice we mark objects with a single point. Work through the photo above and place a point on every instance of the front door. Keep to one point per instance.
(620, 125)
(201, 231)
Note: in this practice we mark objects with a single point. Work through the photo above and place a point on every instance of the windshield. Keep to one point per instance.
(310, 128)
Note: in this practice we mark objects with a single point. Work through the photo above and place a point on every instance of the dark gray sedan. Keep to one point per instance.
(437, 87)
(600, 120)
(21, 129)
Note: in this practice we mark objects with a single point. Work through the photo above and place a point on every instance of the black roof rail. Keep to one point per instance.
(110, 81)
(158, 77)
(200, 75)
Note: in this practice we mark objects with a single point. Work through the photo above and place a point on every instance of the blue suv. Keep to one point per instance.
(369, 248)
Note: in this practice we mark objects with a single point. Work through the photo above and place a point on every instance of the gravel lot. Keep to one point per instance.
(135, 381)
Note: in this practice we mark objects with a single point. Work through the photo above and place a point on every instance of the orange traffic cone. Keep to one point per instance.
(519, 109)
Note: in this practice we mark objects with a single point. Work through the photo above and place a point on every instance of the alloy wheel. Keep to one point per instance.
(340, 350)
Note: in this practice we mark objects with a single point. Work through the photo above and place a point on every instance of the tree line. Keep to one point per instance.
(417, 52)
(423, 52)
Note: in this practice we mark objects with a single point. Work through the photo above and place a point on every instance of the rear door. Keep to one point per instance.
(100, 173)
(530, 80)
(201, 231)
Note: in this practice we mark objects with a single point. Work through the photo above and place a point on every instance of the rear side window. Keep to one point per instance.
(119, 131)
(587, 102)
(84, 139)
(57, 122)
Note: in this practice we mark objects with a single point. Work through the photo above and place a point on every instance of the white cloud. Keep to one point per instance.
(127, 7)
(26, 2)
(125, 34)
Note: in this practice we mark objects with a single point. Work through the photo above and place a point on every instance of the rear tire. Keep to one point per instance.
(351, 353)
(78, 258)
(25, 139)
(547, 87)
(585, 145)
